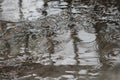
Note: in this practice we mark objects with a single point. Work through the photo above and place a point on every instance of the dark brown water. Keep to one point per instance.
(59, 40)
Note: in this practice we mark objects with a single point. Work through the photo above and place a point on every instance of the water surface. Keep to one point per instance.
(59, 40)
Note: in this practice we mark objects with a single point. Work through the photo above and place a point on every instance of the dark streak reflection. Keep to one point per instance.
(74, 35)
(1, 8)
(49, 34)
(20, 9)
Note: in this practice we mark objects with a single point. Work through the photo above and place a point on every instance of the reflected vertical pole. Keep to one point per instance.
(20, 9)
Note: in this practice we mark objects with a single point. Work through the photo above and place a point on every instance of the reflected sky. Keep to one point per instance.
(17, 10)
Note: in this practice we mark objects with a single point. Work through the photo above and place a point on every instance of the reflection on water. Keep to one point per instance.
(59, 40)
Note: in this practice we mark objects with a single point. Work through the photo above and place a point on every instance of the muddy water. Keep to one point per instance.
(59, 40)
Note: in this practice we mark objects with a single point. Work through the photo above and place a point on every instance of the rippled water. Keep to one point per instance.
(59, 40)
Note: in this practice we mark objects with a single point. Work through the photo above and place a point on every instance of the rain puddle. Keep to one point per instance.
(59, 40)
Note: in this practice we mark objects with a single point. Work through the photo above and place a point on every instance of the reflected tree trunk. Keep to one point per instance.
(102, 57)
(26, 42)
(3, 27)
(75, 43)
(7, 49)
(49, 34)
(20, 9)
(1, 7)
(50, 49)
(74, 37)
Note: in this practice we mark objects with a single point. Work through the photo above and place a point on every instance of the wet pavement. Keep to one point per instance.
(59, 40)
